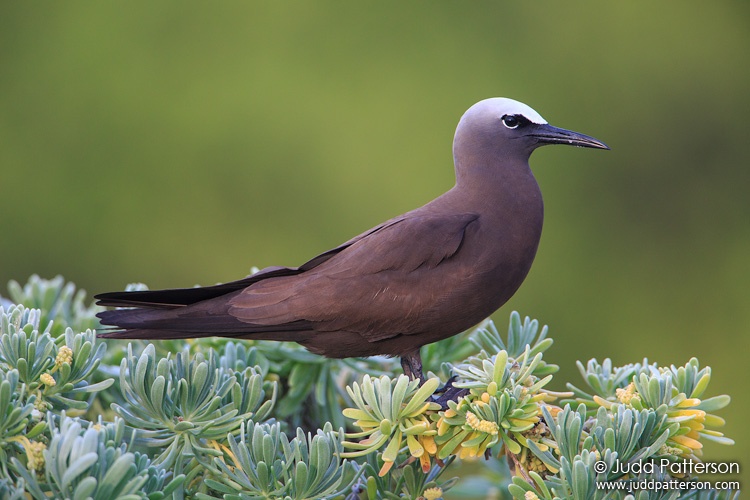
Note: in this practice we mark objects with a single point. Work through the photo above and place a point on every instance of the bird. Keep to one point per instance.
(418, 278)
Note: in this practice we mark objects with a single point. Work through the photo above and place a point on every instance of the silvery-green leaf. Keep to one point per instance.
(79, 467)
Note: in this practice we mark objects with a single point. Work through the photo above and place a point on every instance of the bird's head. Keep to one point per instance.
(504, 128)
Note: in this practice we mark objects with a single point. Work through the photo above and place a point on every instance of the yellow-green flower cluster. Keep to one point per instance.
(47, 379)
(35, 454)
(626, 395)
(543, 440)
(503, 406)
(689, 414)
(432, 493)
(393, 411)
(475, 424)
(480, 425)
(494, 374)
(64, 355)
(41, 405)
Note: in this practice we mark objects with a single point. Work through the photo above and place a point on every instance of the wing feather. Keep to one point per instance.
(379, 285)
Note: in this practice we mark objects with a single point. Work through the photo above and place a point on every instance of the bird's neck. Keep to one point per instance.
(497, 183)
(479, 159)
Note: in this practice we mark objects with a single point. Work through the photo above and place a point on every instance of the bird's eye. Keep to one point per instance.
(511, 121)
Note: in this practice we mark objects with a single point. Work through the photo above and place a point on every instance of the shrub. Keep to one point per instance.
(212, 419)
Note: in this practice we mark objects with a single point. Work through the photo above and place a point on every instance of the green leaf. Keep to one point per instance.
(419, 397)
(714, 403)
(85, 489)
(701, 385)
(391, 451)
(78, 467)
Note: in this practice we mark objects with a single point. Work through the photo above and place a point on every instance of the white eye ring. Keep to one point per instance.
(511, 121)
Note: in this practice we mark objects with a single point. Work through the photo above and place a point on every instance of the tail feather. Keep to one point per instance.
(174, 324)
(192, 313)
(146, 334)
(180, 297)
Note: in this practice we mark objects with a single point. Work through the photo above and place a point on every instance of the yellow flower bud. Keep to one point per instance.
(64, 355)
(35, 455)
(481, 425)
(626, 395)
(488, 427)
(47, 379)
(40, 405)
(536, 465)
(432, 493)
(472, 420)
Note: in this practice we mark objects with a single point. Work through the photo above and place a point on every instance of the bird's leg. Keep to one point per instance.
(411, 362)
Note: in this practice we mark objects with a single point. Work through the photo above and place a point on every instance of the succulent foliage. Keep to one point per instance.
(218, 419)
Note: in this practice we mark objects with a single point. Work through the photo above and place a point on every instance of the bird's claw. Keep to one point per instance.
(447, 386)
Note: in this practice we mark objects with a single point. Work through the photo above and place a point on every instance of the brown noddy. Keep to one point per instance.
(415, 279)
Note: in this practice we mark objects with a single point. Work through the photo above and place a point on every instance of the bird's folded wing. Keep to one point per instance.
(180, 297)
(379, 285)
(316, 261)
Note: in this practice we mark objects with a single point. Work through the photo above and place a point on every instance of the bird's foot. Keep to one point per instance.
(447, 386)
(412, 365)
(449, 393)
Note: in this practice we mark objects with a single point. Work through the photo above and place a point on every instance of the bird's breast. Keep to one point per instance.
(491, 265)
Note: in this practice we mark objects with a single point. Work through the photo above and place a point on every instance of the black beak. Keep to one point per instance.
(547, 134)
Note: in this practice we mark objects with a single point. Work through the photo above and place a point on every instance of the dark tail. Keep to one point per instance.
(185, 323)
(180, 297)
(190, 313)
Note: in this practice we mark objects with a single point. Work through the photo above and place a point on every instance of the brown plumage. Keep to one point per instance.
(420, 277)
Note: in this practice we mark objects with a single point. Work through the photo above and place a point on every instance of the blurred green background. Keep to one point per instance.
(182, 143)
